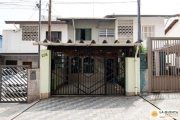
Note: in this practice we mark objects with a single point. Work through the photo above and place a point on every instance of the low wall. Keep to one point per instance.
(33, 93)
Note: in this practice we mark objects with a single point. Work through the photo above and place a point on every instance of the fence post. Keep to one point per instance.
(149, 56)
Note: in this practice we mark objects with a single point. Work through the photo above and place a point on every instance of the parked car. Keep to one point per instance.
(15, 84)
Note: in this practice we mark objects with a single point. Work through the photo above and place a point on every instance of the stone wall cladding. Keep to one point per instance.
(33, 86)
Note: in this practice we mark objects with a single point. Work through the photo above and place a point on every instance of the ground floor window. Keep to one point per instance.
(75, 65)
(88, 65)
(11, 62)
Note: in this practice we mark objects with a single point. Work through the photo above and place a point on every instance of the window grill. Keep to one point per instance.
(29, 33)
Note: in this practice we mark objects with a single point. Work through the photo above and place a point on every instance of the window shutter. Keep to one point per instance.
(78, 33)
(87, 34)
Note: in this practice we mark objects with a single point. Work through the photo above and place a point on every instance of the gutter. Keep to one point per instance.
(135, 67)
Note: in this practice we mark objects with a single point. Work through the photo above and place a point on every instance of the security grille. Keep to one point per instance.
(125, 30)
(29, 33)
(13, 83)
(88, 70)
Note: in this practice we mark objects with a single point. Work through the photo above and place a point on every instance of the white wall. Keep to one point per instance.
(158, 22)
(174, 31)
(12, 41)
(94, 25)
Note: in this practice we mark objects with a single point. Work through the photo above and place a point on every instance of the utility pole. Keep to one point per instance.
(49, 21)
(39, 33)
(139, 20)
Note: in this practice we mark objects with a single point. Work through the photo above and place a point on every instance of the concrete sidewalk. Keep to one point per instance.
(10, 110)
(165, 101)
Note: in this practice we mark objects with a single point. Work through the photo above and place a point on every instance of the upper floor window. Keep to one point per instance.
(106, 32)
(29, 33)
(54, 35)
(147, 31)
(83, 34)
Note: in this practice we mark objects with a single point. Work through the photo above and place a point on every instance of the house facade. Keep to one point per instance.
(17, 45)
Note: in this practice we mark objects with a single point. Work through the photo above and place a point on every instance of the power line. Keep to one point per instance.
(32, 15)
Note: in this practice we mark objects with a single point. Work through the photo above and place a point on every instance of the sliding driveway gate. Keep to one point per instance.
(88, 70)
(164, 64)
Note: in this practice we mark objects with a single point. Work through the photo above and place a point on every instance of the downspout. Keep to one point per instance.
(135, 67)
(74, 30)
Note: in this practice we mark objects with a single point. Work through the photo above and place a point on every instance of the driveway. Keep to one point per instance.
(88, 108)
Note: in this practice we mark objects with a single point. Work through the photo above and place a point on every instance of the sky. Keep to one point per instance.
(24, 10)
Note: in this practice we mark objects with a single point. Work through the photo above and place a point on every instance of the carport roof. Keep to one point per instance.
(84, 44)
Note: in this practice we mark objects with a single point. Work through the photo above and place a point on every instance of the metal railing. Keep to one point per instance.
(13, 83)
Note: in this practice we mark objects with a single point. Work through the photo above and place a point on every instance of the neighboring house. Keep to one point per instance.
(173, 28)
(17, 47)
(0, 43)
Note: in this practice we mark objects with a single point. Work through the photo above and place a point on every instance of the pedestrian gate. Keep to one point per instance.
(88, 70)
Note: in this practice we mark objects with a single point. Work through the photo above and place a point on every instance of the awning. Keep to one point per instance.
(84, 44)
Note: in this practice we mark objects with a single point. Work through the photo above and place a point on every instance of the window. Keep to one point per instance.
(54, 36)
(147, 31)
(83, 34)
(106, 32)
(88, 65)
(29, 33)
(76, 65)
(11, 62)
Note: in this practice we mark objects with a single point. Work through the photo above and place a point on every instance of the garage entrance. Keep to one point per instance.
(88, 70)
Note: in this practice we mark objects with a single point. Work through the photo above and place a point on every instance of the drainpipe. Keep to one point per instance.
(74, 30)
(135, 67)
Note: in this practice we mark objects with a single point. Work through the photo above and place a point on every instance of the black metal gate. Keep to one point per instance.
(13, 83)
(88, 70)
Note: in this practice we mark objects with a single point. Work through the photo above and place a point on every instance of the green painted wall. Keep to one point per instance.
(45, 71)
